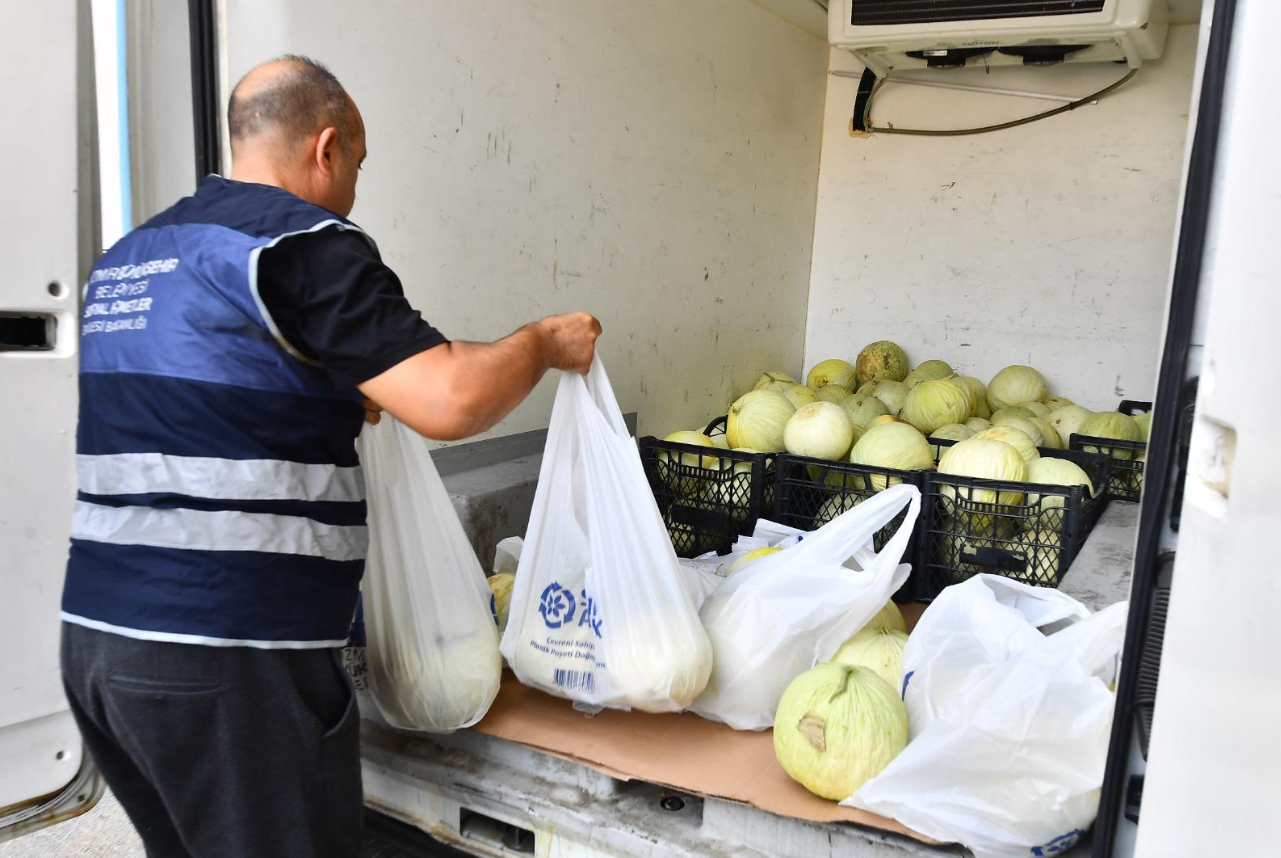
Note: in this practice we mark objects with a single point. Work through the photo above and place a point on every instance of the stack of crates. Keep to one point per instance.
(709, 496)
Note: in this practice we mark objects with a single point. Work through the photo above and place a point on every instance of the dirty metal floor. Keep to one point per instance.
(388, 838)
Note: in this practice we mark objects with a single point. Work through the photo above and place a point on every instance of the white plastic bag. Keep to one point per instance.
(1010, 726)
(776, 535)
(782, 614)
(432, 644)
(767, 535)
(601, 612)
(702, 577)
(507, 555)
(704, 574)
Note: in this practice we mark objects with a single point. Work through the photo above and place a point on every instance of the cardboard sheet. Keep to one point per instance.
(684, 752)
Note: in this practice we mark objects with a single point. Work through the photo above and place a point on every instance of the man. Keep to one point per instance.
(231, 347)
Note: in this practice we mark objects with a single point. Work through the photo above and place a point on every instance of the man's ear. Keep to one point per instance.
(326, 143)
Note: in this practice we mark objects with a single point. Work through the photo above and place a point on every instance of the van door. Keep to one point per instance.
(45, 776)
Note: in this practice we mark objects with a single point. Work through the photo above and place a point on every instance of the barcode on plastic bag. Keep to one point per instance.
(575, 680)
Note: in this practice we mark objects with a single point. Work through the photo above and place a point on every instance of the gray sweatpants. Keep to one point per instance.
(218, 752)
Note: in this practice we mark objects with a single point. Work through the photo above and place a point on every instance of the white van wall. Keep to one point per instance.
(655, 163)
(1047, 245)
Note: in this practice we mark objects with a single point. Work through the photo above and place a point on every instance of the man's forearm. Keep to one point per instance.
(491, 379)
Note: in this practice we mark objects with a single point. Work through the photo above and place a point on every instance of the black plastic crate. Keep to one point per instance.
(1126, 483)
(1128, 457)
(811, 492)
(707, 496)
(1025, 531)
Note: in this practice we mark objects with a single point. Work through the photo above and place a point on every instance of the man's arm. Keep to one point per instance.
(332, 297)
(455, 390)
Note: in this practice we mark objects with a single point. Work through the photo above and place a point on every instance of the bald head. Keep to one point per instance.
(292, 125)
(288, 99)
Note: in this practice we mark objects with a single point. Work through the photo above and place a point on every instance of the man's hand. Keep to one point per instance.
(569, 341)
(373, 412)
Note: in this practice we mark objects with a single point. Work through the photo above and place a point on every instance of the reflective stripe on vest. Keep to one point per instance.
(210, 477)
(204, 530)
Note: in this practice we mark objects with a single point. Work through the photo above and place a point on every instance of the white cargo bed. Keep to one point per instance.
(471, 790)
(477, 792)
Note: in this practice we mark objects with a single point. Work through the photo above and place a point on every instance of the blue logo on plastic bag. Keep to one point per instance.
(557, 606)
(1058, 845)
(590, 616)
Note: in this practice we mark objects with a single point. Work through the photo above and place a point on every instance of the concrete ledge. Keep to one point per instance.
(1100, 574)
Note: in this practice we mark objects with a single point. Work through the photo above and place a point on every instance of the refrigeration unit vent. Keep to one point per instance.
(903, 35)
(872, 13)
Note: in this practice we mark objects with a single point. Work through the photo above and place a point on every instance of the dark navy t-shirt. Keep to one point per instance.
(337, 302)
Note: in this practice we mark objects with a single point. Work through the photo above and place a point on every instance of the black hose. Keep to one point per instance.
(863, 119)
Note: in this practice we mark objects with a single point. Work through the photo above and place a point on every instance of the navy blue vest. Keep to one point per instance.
(220, 495)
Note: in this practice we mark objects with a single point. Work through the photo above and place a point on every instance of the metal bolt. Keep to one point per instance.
(672, 803)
